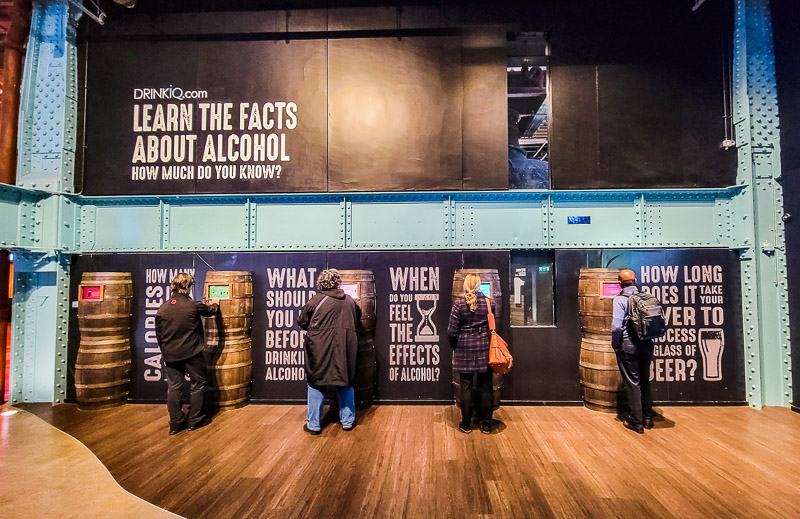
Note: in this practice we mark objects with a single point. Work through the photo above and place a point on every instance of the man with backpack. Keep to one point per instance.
(637, 319)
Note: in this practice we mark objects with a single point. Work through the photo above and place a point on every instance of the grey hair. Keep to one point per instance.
(328, 279)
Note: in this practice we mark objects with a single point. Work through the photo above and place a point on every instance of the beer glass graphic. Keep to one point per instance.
(712, 342)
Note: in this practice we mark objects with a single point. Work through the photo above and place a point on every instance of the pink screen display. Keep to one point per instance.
(351, 289)
(91, 294)
(611, 289)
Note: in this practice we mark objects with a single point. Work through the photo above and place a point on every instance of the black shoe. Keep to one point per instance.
(466, 429)
(311, 432)
(348, 429)
(486, 428)
(202, 423)
(635, 428)
(180, 427)
(648, 423)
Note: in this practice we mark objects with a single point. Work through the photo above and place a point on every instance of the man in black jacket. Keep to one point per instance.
(179, 331)
(331, 347)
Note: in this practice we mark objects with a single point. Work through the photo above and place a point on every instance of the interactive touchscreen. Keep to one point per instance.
(611, 289)
(91, 292)
(219, 291)
(351, 289)
(486, 289)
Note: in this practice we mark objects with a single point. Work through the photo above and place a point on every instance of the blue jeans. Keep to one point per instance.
(316, 401)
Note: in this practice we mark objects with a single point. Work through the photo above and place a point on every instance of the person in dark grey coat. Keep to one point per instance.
(468, 331)
(331, 347)
(179, 332)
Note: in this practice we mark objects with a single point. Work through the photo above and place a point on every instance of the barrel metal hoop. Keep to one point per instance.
(599, 367)
(231, 366)
(103, 350)
(101, 385)
(95, 317)
(234, 386)
(103, 366)
(607, 389)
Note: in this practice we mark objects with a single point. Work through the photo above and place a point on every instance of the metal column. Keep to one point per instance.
(759, 210)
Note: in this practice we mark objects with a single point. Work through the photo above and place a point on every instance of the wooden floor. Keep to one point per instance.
(46, 473)
(411, 461)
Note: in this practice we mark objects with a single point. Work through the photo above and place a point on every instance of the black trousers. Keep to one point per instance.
(176, 372)
(476, 388)
(634, 360)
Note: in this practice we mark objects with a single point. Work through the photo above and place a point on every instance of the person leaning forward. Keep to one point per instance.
(179, 331)
(633, 356)
(331, 348)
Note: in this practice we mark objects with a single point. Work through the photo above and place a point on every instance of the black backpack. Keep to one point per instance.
(645, 316)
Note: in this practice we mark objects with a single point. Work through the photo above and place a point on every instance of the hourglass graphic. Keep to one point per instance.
(426, 329)
(712, 343)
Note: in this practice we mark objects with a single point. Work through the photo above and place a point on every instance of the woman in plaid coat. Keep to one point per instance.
(468, 331)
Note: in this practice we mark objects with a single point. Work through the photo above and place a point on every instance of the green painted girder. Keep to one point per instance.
(17, 216)
(760, 228)
(49, 100)
(40, 317)
(37, 221)
(395, 221)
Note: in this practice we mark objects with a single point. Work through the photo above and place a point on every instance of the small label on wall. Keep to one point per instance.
(579, 220)
(74, 304)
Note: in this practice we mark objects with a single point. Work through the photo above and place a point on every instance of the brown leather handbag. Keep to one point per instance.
(500, 359)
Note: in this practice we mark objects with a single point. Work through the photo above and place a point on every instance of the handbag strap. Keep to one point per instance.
(490, 315)
(317, 308)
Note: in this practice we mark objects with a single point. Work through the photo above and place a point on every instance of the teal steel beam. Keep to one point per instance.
(40, 316)
(397, 221)
(49, 100)
(17, 214)
(758, 212)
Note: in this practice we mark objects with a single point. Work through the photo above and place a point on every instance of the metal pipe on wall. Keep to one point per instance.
(13, 60)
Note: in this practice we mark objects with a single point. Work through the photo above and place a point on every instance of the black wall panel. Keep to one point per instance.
(637, 94)
(395, 114)
(636, 90)
(786, 27)
(416, 368)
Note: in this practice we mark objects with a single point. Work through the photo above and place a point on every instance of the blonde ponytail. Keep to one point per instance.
(472, 282)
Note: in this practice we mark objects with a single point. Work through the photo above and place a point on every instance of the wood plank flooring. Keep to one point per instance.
(46, 473)
(411, 461)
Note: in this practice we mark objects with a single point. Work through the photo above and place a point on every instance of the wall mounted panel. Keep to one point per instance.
(584, 223)
(207, 227)
(297, 226)
(397, 225)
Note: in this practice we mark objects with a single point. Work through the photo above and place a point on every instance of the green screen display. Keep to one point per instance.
(219, 291)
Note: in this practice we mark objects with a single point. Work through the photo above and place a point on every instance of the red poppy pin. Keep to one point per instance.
(173, 301)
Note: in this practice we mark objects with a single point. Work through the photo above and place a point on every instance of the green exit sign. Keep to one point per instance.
(544, 268)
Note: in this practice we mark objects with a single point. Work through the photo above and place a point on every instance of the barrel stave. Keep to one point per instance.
(229, 353)
(103, 362)
(601, 382)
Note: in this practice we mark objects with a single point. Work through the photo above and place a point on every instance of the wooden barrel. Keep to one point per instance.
(366, 366)
(229, 372)
(487, 276)
(593, 308)
(229, 353)
(601, 382)
(103, 363)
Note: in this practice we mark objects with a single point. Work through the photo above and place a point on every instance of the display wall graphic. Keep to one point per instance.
(699, 360)
(414, 302)
(206, 117)
(310, 115)
(701, 355)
